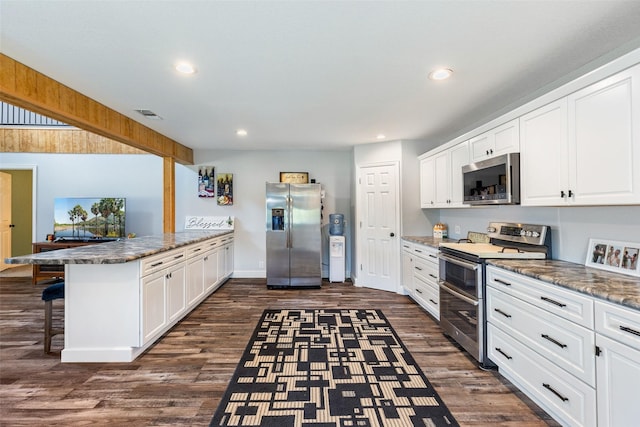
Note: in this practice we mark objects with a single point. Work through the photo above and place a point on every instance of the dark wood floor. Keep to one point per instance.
(181, 379)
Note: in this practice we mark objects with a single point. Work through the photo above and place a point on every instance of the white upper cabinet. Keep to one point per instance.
(544, 155)
(441, 177)
(500, 140)
(427, 182)
(459, 157)
(579, 150)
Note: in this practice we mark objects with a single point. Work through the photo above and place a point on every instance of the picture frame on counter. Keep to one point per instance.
(614, 255)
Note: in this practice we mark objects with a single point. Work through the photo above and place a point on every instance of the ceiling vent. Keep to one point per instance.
(149, 114)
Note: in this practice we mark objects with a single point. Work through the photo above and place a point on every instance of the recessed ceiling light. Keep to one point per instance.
(241, 132)
(185, 68)
(381, 136)
(440, 74)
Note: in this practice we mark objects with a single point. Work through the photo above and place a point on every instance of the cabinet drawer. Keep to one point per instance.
(226, 239)
(427, 297)
(564, 343)
(426, 271)
(619, 323)
(195, 250)
(566, 398)
(426, 253)
(161, 261)
(564, 303)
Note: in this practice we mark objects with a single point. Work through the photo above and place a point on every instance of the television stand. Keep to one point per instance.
(53, 272)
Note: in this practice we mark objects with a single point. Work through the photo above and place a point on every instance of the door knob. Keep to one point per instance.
(391, 234)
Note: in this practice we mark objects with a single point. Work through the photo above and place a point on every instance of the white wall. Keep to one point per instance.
(571, 227)
(136, 177)
(251, 170)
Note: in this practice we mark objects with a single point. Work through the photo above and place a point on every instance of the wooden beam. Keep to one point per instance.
(27, 88)
(169, 195)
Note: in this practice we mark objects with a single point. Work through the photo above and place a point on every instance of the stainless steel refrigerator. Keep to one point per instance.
(293, 235)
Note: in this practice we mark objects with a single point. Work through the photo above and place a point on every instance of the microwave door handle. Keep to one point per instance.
(464, 298)
(459, 262)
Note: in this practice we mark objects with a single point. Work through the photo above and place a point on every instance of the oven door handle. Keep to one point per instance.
(456, 294)
(459, 262)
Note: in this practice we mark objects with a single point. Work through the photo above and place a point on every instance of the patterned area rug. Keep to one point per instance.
(328, 368)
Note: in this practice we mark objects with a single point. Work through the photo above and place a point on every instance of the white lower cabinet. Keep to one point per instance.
(162, 291)
(570, 401)
(407, 267)
(154, 313)
(541, 337)
(176, 281)
(576, 356)
(618, 365)
(421, 264)
(195, 274)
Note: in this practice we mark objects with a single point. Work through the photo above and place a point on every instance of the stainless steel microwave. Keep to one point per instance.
(494, 181)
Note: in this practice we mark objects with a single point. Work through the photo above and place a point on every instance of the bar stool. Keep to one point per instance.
(55, 291)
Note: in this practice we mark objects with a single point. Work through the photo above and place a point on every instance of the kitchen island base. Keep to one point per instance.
(114, 312)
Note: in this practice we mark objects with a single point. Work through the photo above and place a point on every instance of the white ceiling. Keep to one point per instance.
(314, 74)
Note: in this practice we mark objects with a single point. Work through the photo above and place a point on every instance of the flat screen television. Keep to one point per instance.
(89, 218)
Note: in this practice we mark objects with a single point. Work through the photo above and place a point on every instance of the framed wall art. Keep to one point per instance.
(206, 181)
(294, 177)
(224, 187)
(612, 255)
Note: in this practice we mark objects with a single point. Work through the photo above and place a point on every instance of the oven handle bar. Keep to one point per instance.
(445, 287)
(459, 262)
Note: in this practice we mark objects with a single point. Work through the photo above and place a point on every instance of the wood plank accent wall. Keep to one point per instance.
(59, 141)
(27, 88)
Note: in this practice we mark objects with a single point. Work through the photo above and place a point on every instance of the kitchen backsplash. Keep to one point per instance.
(571, 226)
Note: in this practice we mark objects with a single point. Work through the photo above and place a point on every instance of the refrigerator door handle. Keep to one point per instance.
(289, 221)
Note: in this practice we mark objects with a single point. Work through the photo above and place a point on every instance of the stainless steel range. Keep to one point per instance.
(462, 279)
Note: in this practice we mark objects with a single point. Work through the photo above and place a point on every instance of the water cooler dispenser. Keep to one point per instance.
(336, 248)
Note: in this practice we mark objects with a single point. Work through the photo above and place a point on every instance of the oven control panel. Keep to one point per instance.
(524, 233)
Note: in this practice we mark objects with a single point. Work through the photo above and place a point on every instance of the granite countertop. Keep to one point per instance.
(118, 252)
(617, 288)
(428, 240)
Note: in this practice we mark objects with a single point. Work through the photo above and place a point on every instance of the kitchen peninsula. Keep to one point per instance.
(121, 296)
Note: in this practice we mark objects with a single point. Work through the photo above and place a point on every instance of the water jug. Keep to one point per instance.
(336, 224)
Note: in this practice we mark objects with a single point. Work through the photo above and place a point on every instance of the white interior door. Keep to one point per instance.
(379, 250)
(5, 219)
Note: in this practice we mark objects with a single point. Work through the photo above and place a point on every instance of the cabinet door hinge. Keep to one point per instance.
(598, 351)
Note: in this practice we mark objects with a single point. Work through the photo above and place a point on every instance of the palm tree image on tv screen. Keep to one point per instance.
(89, 218)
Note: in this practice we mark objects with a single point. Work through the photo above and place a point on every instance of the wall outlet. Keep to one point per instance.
(457, 229)
(260, 264)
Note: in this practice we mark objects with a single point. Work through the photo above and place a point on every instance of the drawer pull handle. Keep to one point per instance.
(556, 342)
(503, 282)
(418, 268)
(418, 291)
(502, 312)
(418, 250)
(433, 256)
(631, 331)
(499, 350)
(178, 256)
(435, 303)
(433, 275)
(197, 250)
(157, 264)
(559, 304)
(561, 397)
